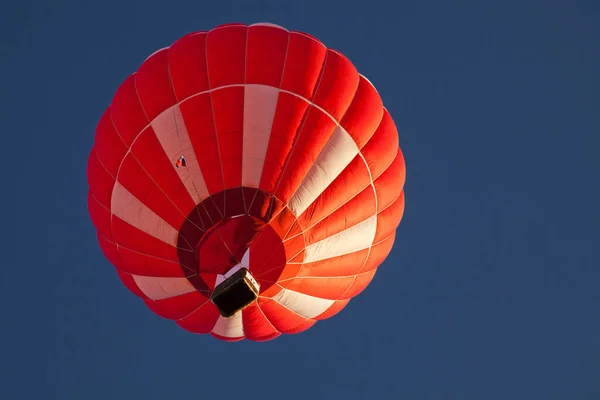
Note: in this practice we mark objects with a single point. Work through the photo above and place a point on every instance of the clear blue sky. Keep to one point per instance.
(491, 291)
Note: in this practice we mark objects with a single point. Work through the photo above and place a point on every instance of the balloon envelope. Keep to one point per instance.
(250, 162)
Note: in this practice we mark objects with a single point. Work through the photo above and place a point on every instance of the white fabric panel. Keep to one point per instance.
(173, 136)
(157, 288)
(232, 327)
(355, 238)
(260, 102)
(335, 156)
(244, 264)
(302, 304)
(127, 207)
(246, 259)
(220, 278)
(233, 270)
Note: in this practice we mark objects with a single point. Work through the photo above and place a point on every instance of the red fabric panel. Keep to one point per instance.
(299, 258)
(282, 319)
(388, 219)
(353, 180)
(228, 109)
(307, 324)
(148, 265)
(127, 113)
(326, 288)
(379, 251)
(304, 61)
(211, 211)
(135, 240)
(271, 291)
(289, 115)
(337, 85)
(226, 55)
(355, 211)
(110, 251)
(295, 230)
(290, 271)
(345, 265)
(100, 216)
(264, 206)
(153, 85)
(333, 310)
(256, 326)
(267, 258)
(381, 149)
(201, 320)
(209, 279)
(100, 181)
(234, 202)
(192, 229)
(282, 222)
(360, 283)
(316, 131)
(265, 55)
(390, 183)
(141, 185)
(364, 114)
(198, 116)
(108, 145)
(148, 151)
(249, 196)
(187, 65)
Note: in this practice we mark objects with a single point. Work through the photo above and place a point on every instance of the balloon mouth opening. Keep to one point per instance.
(235, 293)
(247, 238)
(224, 244)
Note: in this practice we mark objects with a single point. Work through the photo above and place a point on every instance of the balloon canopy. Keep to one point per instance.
(246, 182)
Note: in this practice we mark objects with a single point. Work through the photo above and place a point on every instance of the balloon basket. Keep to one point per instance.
(235, 293)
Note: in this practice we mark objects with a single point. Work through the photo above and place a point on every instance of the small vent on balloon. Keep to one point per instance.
(235, 293)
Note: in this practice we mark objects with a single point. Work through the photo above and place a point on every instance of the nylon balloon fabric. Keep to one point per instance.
(246, 147)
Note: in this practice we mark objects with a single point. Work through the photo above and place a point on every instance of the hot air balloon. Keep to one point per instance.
(246, 182)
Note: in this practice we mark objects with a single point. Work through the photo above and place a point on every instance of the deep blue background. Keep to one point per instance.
(491, 290)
